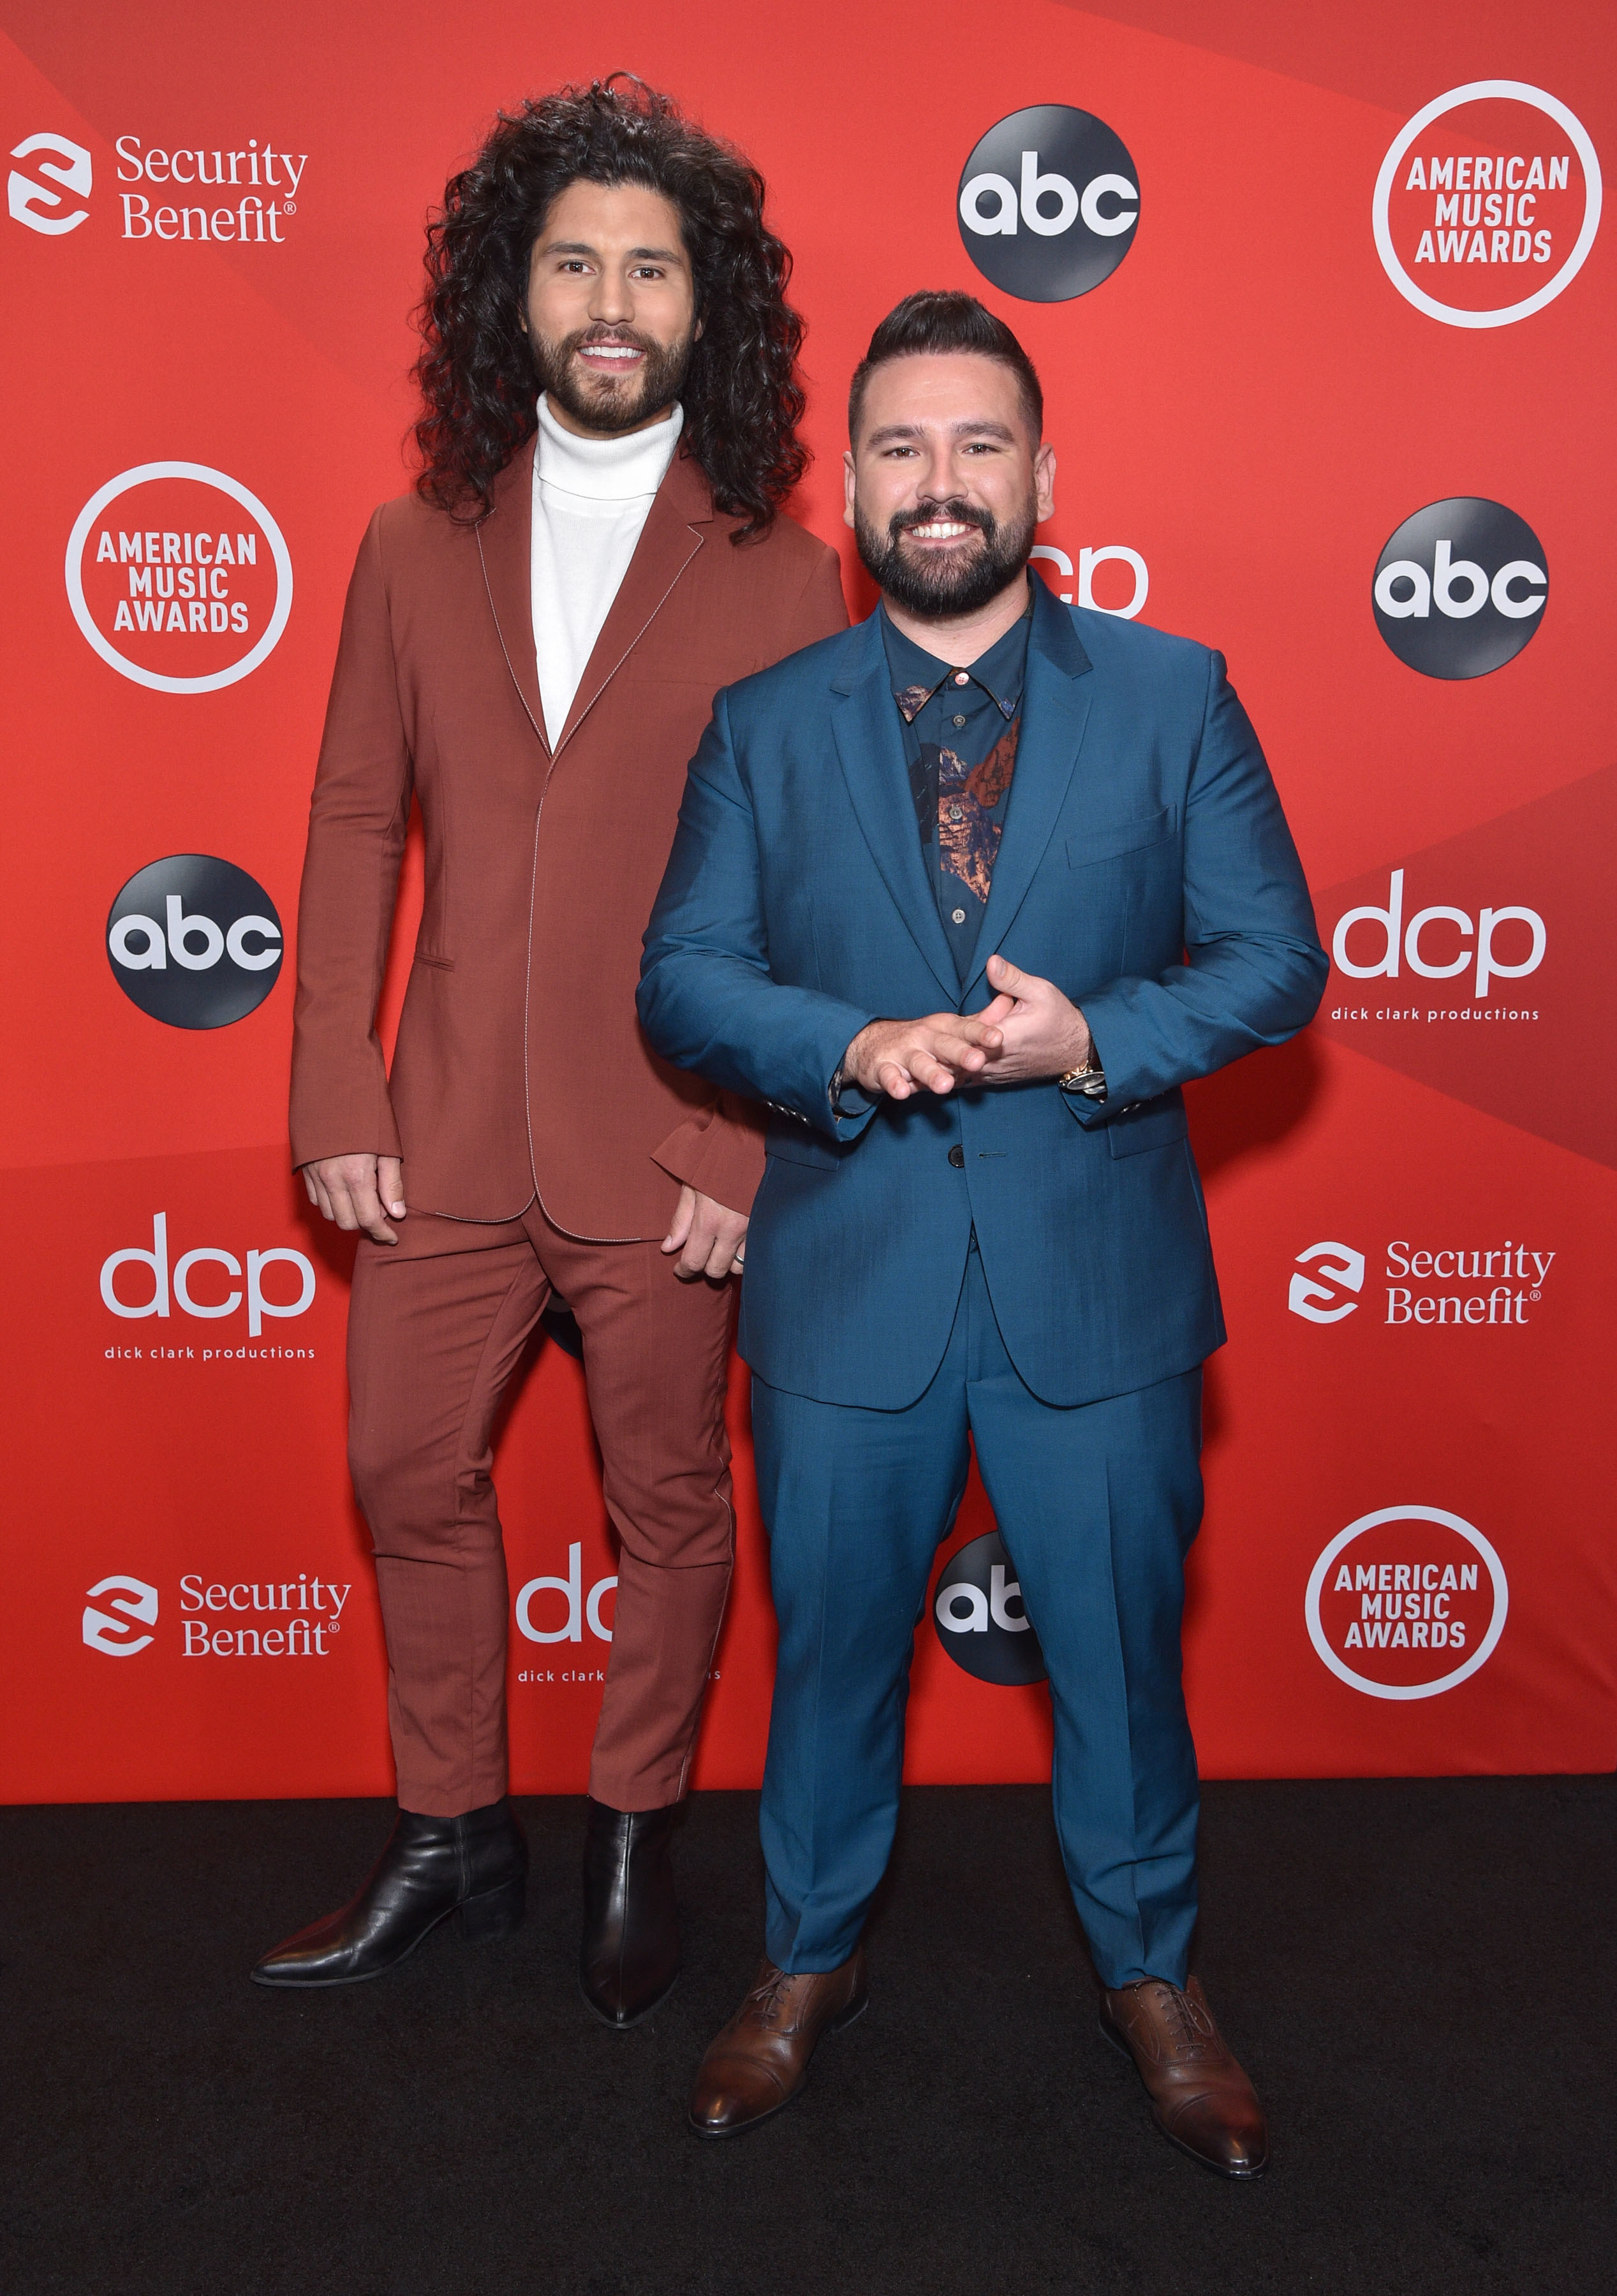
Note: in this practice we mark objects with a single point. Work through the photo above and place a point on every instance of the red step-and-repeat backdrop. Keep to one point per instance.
(1323, 304)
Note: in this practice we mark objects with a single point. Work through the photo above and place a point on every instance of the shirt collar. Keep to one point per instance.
(917, 674)
(605, 470)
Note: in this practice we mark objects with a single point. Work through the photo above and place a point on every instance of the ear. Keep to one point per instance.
(1044, 482)
(849, 484)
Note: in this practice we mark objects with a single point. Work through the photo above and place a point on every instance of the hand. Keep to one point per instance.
(1041, 1032)
(899, 1057)
(358, 1191)
(709, 1240)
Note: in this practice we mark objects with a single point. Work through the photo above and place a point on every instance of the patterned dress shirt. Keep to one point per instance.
(960, 735)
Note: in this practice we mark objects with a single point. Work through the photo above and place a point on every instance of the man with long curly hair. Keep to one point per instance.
(531, 643)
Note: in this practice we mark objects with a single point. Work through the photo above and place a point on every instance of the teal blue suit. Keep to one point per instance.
(1015, 1262)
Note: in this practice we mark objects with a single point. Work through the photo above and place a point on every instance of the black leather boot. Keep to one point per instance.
(631, 1929)
(474, 1867)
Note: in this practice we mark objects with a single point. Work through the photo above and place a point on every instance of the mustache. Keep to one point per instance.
(585, 338)
(955, 512)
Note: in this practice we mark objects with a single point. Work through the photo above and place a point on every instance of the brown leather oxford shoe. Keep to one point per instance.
(760, 2060)
(1200, 2098)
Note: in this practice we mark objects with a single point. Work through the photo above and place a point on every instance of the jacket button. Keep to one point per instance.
(957, 1156)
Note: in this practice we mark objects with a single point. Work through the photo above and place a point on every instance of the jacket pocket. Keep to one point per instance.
(1151, 1124)
(1109, 839)
(790, 1142)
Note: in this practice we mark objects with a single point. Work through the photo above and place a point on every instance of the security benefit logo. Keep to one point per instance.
(1407, 1602)
(978, 1612)
(1460, 587)
(48, 190)
(1048, 203)
(178, 577)
(1494, 1286)
(1487, 203)
(287, 1618)
(114, 1630)
(195, 942)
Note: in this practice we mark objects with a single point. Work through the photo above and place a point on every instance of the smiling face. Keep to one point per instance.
(611, 307)
(945, 482)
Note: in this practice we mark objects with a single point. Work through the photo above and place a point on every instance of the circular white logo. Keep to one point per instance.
(1486, 219)
(180, 591)
(1420, 1581)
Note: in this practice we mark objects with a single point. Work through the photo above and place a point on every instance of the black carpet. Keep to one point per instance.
(1419, 1975)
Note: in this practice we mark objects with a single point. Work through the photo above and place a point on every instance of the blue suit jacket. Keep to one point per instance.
(1146, 867)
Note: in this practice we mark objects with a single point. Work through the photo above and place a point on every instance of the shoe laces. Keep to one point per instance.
(1190, 2034)
(769, 1995)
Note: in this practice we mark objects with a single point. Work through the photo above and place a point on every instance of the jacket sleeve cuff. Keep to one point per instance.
(719, 1152)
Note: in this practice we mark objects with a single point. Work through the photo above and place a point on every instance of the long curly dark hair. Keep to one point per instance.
(742, 397)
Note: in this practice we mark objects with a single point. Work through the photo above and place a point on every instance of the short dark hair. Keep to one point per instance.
(942, 319)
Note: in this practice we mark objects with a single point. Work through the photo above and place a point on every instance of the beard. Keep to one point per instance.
(608, 403)
(937, 587)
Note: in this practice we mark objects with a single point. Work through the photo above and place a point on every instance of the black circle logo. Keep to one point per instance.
(1460, 589)
(977, 1610)
(1048, 203)
(195, 942)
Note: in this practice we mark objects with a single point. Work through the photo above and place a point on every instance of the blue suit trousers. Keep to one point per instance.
(1097, 1504)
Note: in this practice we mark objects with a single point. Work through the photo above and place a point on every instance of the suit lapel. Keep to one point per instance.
(505, 544)
(670, 539)
(870, 750)
(1054, 710)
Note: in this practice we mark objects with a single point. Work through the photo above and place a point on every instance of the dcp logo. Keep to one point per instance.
(1048, 203)
(1487, 203)
(981, 1621)
(178, 577)
(36, 204)
(112, 1636)
(1439, 941)
(1407, 1602)
(1335, 1268)
(195, 942)
(1460, 587)
(580, 1606)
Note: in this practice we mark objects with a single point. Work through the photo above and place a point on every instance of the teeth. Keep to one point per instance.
(611, 350)
(941, 530)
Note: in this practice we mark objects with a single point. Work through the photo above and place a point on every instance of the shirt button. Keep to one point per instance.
(959, 721)
(959, 916)
(962, 677)
(957, 1156)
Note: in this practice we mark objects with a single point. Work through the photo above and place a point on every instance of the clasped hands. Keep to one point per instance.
(1031, 1029)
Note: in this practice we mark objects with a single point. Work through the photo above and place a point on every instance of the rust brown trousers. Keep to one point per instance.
(543, 1142)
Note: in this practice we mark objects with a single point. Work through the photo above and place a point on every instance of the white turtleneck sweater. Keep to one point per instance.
(590, 501)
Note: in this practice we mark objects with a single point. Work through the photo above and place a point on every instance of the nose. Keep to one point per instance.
(612, 303)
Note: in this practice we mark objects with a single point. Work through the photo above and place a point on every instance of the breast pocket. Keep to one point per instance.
(1108, 841)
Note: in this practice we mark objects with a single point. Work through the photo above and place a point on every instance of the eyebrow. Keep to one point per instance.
(893, 431)
(635, 254)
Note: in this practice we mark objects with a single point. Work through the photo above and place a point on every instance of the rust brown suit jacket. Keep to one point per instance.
(520, 1067)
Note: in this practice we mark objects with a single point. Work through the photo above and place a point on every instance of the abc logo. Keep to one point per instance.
(980, 1622)
(1460, 587)
(194, 941)
(1048, 203)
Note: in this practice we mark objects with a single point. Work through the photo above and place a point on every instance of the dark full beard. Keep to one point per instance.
(611, 406)
(938, 589)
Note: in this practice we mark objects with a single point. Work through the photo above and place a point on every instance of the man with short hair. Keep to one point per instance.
(530, 648)
(965, 894)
